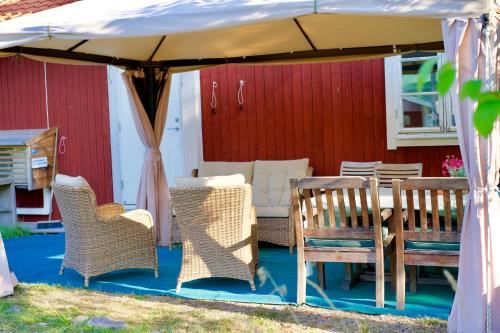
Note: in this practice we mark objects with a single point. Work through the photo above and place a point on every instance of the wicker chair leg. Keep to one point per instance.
(291, 248)
(61, 271)
(178, 288)
(252, 285)
(86, 282)
(157, 275)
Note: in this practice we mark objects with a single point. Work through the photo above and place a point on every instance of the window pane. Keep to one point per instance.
(410, 76)
(450, 116)
(420, 111)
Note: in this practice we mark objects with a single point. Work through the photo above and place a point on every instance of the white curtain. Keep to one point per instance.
(153, 189)
(7, 279)
(476, 308)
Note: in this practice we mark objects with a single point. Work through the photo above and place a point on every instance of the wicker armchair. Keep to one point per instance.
(219, 232)
(275, 230)
(101, 239)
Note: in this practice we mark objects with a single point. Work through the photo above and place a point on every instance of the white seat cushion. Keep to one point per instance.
(230, 180)
(272, 211)
(271, 181)
(209, 169)
(77, 181)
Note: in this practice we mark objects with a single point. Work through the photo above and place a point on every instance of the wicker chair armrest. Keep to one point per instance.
(139, 216)
(253, 214)
(135, 217)
(109, 211)
(254, 236)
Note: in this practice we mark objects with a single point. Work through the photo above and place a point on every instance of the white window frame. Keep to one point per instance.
(397, 135)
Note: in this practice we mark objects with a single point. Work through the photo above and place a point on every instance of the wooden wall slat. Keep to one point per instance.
(326, 112)
(260, 97)
(288, 114)
(327, 123)
(251, 110)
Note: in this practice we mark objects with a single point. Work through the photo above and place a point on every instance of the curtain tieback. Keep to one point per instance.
(485, 189)
(153, 154)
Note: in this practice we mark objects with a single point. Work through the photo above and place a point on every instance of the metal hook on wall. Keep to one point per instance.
(213, 102)
(62, 145)
(240, 94)
(17, 60)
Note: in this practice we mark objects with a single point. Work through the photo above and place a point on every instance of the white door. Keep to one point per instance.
(127, 149)
(171, 146)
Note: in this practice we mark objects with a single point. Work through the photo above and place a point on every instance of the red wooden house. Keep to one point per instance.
(75, 98)
(327, 112)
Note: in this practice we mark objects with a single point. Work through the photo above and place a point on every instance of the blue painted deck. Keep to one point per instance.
(36, 259)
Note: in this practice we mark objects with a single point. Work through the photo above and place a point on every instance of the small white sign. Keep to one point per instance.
(39, 162)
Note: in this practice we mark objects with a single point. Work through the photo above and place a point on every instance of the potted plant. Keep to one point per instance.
(453, 167)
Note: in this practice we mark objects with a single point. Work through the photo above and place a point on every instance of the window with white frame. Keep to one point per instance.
(416, 118)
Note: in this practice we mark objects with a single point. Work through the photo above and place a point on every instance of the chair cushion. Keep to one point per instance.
(209, 169)
(346, 242)
(231, 180)
(341, 242)
(272, 211)
(271, 181)
(440, 246)
(77, 181)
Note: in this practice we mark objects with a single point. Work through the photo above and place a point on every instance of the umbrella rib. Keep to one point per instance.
(80, 43)
(310, 54)
(304, 34)
(63, 54)
(285, 56)
(157, 47)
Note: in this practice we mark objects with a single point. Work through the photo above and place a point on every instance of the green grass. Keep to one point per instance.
(44, 308)
(11, 232)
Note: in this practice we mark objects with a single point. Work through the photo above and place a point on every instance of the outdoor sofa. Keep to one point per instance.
(270, 182)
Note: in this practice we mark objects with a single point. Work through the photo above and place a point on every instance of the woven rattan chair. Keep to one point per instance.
(101, 239)
(219, 232)
(275, 230)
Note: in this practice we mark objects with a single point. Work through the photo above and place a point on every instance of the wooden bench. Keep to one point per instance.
(322, 238)
(417, 241)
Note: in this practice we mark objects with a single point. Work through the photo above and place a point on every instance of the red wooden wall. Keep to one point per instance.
(78, 106)
(327, 112)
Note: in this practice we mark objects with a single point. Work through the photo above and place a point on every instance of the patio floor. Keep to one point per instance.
(36, 259)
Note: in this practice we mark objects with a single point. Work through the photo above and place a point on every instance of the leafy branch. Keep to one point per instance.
(488, 102)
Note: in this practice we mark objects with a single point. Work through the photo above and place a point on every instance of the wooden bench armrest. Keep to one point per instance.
(389, 243)
(310, 171)
(386, 214)
(405, 215)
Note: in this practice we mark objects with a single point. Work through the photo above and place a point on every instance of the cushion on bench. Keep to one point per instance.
(271, 181)
(210, 169)
(272, 211)
(341, 242)
(438, 246)
(231, 180)
(346, 242)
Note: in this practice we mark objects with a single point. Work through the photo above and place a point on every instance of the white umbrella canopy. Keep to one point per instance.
(197, 33)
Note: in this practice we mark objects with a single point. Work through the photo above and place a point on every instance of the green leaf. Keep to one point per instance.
(446, 76)
(425, 71)
(485, 116)
(487, 96)
(471, 89)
